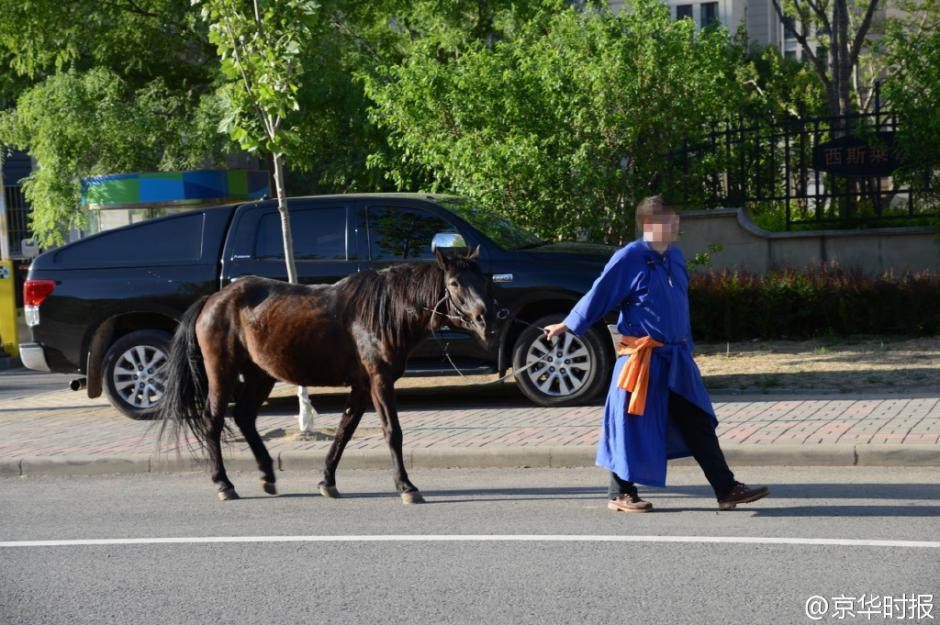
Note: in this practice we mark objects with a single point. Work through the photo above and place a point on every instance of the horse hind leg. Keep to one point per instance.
(352, 415)
(215, 425)
(255, 390)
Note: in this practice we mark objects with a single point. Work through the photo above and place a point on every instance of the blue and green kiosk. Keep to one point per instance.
(117, 200)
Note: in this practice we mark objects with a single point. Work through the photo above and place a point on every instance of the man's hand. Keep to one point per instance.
(555, 329)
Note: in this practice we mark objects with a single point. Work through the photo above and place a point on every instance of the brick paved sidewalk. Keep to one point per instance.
(502, 430)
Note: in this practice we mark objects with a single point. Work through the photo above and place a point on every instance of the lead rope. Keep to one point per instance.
(503, 313)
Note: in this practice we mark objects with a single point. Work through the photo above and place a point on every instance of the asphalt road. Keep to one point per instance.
(364, 571)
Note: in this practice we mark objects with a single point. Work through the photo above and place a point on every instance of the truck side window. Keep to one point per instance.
(397, 233)
(176, 239)
(319, 234)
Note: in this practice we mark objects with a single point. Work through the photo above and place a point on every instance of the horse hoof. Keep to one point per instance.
(412, 497)
(329, 491)
(269, 487)
(228, 494)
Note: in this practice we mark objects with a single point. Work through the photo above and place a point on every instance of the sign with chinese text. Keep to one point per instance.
(854, 156)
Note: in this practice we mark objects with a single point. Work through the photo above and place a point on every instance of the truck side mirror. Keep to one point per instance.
(445, 240)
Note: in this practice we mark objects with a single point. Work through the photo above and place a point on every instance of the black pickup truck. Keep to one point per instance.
(104, 307)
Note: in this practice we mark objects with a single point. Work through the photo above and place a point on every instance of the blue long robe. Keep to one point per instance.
(651, 291)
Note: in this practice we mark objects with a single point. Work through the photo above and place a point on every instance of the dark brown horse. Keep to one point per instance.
(233, 346)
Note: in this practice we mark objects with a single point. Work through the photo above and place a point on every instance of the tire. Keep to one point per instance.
(589, 375)
(142, 352)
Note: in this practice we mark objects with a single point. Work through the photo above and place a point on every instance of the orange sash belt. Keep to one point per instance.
(635, 375)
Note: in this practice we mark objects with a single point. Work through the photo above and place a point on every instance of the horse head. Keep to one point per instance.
(469, 303)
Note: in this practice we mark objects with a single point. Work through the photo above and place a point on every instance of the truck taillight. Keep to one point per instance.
(35, 291)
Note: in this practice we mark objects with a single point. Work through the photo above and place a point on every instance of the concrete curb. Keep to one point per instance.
(11, 468)
(468, 458)
(891, 455)
(83, 465)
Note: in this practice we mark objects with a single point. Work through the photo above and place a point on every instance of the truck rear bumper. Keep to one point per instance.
(34, 357)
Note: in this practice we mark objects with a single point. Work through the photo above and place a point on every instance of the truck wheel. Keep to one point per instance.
(575, 369)
(133, 369)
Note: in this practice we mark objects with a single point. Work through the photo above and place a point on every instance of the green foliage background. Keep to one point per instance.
(914, 92)
(557, 118)
(562, 122)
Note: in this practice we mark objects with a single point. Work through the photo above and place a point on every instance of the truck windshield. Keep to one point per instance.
(503, 232)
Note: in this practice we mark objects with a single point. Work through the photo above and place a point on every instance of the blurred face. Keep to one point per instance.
(661, 228)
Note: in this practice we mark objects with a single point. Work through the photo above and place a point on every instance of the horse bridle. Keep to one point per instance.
(502, 313)
(451, 307)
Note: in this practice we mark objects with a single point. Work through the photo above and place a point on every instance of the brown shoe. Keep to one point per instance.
(629, 503)
(741, 493)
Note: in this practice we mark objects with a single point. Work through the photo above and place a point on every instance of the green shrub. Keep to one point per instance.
(797, 304)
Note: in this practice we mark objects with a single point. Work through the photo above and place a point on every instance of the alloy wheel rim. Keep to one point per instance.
(139, 376)
(565, 368)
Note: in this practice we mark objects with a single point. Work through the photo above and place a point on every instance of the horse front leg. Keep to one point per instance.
(352, 415)
(383, 397)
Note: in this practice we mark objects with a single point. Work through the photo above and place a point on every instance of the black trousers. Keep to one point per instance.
(695, 426)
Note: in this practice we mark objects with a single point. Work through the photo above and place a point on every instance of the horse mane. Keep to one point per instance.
(391, 303)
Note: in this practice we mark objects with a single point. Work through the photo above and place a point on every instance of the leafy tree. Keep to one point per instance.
(333, 135)
(342, 149)
(166, 43)
(778, 88)
(99, 88)
(915, 18)
(78, 124)
(259, 44)
(140, 41)
(561, 121)
(833, 35)
(913, 90)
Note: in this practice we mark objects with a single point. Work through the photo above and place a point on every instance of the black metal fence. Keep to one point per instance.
(828, 172)
(17, 210)
(16, 166)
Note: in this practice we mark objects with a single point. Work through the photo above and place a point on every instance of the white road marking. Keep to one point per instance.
(481, 538)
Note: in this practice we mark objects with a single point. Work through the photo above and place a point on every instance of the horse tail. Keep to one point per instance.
(185, 388)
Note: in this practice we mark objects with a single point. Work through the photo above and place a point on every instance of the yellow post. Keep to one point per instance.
(8, 338)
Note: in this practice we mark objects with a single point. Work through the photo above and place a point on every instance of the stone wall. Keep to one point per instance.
(874, 250)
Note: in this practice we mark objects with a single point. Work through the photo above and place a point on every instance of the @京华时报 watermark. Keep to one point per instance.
(909, 607)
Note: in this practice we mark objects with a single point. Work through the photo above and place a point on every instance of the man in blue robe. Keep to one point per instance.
(657, 407)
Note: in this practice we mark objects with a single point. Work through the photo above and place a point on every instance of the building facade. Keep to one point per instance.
(759, 18)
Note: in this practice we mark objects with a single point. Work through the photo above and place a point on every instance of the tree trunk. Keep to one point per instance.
(307, 413)
(272, 179)
(844, 59)
(285, 220)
